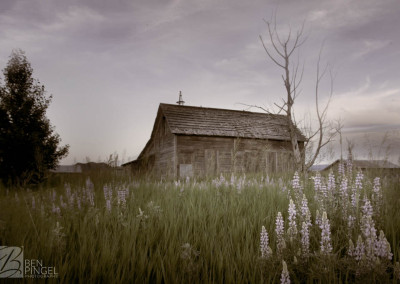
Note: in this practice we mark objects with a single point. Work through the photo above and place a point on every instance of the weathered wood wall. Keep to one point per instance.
(214, 155)
(158, 157)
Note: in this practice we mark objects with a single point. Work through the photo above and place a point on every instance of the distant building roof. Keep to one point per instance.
(68, 169)
(318, 168)
(81, 167)
(368, 164)
(374, 164)
(190, 120)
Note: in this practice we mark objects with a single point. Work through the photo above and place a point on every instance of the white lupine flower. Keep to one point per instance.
(142, 217)
(121, 194)
(232, 179)
(292, 230)
(280, 230)
(56, 209)
(325, 243)
(67, 188)
(351, 251)
(106, 192)
(54, 196)
(62, 203)
(359, 252)
(108, 205)
(89, 184)
(78, 202)
(382, 247)
(285, 279)
(264, 247)
(90, 197)
(305, 239)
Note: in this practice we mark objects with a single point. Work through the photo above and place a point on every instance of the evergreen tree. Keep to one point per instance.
(29, 147)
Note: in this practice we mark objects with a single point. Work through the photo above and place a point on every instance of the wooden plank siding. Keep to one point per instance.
(216, 155)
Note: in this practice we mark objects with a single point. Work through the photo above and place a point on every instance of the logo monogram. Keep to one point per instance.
(11, 262)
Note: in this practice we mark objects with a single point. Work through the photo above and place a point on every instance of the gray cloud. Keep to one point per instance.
(109, 63)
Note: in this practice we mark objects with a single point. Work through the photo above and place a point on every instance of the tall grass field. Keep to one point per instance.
(342, 227)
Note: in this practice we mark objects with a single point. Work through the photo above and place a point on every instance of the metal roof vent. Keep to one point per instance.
(180, 102)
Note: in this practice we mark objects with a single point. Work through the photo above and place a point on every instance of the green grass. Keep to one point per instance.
(193, 232)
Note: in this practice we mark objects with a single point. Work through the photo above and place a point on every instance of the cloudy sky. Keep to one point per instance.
(109, 64)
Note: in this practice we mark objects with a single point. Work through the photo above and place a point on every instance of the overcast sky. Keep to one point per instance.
(109, 64)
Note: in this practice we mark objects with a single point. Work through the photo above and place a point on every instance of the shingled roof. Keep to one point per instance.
(190, 120)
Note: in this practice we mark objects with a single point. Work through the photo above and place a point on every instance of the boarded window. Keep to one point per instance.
(185, 170)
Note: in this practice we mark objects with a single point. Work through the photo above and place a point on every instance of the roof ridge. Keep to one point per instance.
(222, 109)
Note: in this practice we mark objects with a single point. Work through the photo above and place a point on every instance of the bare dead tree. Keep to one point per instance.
(281, 52)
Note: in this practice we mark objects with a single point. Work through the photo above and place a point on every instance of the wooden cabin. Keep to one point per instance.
(196, 141)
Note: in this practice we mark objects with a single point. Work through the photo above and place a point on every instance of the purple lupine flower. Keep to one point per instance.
(89, 184)
(331, 182)
(349, 164)
(317, 182)
(341, 168)
(285, 279)
(280, 230)
(67, 188)
(377, 195)
(325, 243)
(343, 189)
(351, 250)
(359, 251)
(367, 208)
(292, 230)
(297, 188)
(121, 194)
(108, 205)
(354, 196)
(358, 181)
(382, 247)
(305, 239)
(318, 220)
(369, 232)
(56, 209)
(264, 247)
(78, 202)
(305, 211)
(350, 223)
